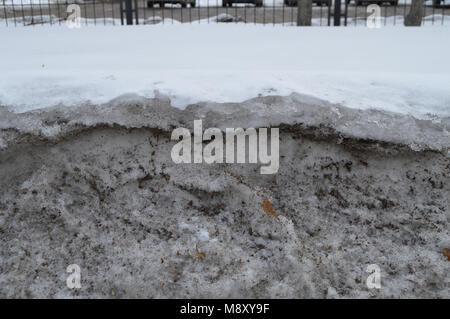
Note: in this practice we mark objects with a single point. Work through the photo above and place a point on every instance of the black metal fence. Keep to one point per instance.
(284, 12)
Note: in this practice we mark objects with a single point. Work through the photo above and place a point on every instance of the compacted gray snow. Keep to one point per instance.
(95, 186)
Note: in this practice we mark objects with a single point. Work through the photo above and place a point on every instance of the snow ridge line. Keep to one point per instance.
(312, 118)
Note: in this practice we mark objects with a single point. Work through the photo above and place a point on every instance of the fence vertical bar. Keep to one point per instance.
(6, 16)
(40, 12)
(112, 13)
(181, 13)
(337, 13)
(432, 15)
(235, 12)
(273, 15)
(395, 13)
(321, 15)
(253, 12)
(144, 14)
(85, 14)
(245, 14)
(329, 14)
(95, 15)
(23, 12)
(50, 12)
(14, 12)
(65, 10)
(121, 11)
(264, 14)
(345, 12)
(365, 14)
(163, 8)
(423, 14)
(153, 10)
(404, 9)
(104, 12)
(32, 13)
(226, 7)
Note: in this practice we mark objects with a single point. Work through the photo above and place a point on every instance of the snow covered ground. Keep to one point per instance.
(397, 69)
(398, 21)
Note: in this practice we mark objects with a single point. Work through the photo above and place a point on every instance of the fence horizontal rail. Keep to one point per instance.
(276, 12)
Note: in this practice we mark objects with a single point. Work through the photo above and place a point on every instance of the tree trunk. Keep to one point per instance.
(415, 15)
(304, 14)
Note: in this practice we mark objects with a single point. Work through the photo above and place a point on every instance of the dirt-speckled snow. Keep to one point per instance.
(94, 185)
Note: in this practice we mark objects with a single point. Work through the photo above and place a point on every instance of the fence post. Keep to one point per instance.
(337, 12)
(136, 11)
(346, 12)
(128, 10)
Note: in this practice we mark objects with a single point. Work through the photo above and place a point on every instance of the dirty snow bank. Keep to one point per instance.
(396, 69)
(94, 185)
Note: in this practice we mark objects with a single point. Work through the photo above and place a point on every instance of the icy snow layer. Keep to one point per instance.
(385, 127)
(397, 69)
(94, 185)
